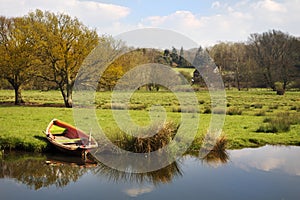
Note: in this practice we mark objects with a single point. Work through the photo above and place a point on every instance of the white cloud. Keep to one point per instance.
(270, 5)
(181, 18)
(91, 13)
(228, 22)
(216, 4)
(134, 192)
(232, 22)
(268, 159)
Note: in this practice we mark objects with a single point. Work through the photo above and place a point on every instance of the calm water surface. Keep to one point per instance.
(263, 173)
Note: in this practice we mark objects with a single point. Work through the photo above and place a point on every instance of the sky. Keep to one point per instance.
(206, 22)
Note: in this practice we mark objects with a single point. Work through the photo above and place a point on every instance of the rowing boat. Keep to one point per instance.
(69, 139)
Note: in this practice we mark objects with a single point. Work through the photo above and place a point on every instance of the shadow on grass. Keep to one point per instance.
(32, 104)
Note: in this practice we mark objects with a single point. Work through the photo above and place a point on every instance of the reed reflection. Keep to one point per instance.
(164, 175)
(215, 156)
(218, 155)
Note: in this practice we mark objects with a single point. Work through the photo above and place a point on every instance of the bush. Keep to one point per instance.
(234, 111)
(274, 106)
(137, 107)
(257, 105)
(281, 123)
(114, 106)
(293, 107)
(207, 110)
(247, 106)
(267, 120)
(219, 111)
(260, 113)
(201, 101)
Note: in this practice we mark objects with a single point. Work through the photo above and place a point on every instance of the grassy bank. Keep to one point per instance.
(250, 121)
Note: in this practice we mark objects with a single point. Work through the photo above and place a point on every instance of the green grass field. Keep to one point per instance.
(252, 117)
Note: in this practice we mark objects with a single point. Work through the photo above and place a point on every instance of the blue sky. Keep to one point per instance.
(141, 9)
(144, 8)
(205, 21)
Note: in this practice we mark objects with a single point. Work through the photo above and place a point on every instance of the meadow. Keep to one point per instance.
(253, 118)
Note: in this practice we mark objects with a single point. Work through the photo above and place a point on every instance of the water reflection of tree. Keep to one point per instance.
(33, 170)
(35, 173)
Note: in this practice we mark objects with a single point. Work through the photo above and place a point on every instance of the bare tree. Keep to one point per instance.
(274, 55)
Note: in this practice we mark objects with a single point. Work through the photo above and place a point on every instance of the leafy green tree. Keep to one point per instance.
(17, 47)
(64, 43)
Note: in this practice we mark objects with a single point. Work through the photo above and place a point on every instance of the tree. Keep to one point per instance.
(174, 56)
(122, 64)
(234, 62)
(222, 57)
(204, 66)
(274, 54)
(64, 43)
(17, 47)
(240, 65)
(201, 58)
(182, 62)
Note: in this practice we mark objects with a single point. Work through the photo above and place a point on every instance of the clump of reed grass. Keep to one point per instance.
(218, 154)
(267, 120)
(185, 109)
(219, 111)
(274, 107)
(176, 109)
(164, 134)
(257, 105)
(123, 106)
(293, 108)
(247, 106)
(137, 107)
(207, 110)
(260, 113)
(280, 123)
(201, 101)
(234, 111)
(214, 149)
(114, 106)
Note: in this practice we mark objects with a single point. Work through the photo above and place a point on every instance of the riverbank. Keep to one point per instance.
(248, 121)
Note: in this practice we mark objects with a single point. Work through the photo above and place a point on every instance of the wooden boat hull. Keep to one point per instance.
(68, 139)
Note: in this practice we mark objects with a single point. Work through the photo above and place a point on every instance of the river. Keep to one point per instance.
(269, 172)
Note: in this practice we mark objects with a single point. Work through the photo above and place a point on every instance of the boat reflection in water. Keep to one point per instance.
(43, 170)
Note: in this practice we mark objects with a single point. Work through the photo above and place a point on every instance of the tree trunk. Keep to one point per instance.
(18, 95)
(69, 100)
(67, 97)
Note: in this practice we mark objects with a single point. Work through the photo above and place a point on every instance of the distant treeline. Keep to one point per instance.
(44, 50)
(267, 60)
